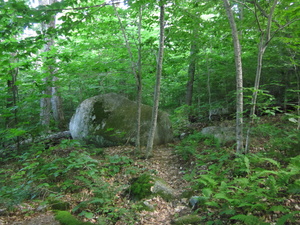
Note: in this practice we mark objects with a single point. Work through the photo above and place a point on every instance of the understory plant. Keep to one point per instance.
(69, 169)
(257, 188)
(247, 188)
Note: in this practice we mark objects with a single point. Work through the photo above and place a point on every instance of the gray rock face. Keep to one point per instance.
(224, 134)
(161, 188)
(110, 119)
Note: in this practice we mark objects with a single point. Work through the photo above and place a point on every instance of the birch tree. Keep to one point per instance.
(137, 72)
(51, 100)
(158, 79)
(239, 78)
(266, 35)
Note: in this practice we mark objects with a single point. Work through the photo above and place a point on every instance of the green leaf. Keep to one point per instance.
(207, 192)
(86, 214)
(248, 219)
(286, 218)
(247, 164)
(222, 196)
(278, 208)
(212, 204)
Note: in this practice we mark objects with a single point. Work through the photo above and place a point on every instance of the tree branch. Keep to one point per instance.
(265, 14)
(244, 4)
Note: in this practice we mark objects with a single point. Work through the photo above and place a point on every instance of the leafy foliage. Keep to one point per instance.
(50, 174)
(190, 145)
(89, 58)
(242, 188)
(65, 218)
(141, 187)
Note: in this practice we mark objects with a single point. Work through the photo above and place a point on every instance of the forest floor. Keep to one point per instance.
(166, 164)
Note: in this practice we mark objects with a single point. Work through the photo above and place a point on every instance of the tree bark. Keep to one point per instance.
(137, 73)
(139, 84)
(158, 79)
(239, 78)
(265, 38)
(56, 105)
(11, 101)
(191, 69)
(208, 85)
(11, 121)
(51, 101)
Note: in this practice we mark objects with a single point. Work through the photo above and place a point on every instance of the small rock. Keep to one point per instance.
(161, 188)
(180, 208)
(41, 208)
(196, 201)
(148, 206)
(3, 212)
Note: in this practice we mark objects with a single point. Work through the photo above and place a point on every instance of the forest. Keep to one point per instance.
(228, 67)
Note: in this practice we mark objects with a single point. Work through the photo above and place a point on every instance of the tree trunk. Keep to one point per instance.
(51, 102)
(157, 84)
(139, 84)
(298, 95)
(11, 121)
(11, 101)
(56, 103)
(191, 69)
(265, 38)
(208, 85)
(239, 78)
(137, 73)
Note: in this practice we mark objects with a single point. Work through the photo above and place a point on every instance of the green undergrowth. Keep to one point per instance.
(257, 188)
(66, 218)
(140, 187)
(69, 177)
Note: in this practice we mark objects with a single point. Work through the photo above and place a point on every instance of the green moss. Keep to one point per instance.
(163, 189)
(58, 205)
(65, 218)
(141, 187)
(99, 112)
(188, 219)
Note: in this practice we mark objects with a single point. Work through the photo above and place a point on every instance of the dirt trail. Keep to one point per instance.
(167, 166)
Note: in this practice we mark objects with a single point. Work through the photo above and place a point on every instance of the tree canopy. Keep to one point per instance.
(89, 56)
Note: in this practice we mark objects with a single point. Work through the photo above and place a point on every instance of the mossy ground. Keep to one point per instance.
(66, 218)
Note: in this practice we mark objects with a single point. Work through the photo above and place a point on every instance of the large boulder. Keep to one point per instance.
(110, 119)
(225, 135)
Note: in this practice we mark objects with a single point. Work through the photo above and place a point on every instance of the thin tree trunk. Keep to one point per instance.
(51, 102)
(239, 78)
(45, 105)
(265, 39)
(56, 105)
(157, 84)
(191, 70)
(208, 85)
(298, 96)
(139, 84)
(11, 102)
(137, 73)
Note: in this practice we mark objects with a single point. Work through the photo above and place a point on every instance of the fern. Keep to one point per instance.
(278, 208)
(286, 218)
(207, 180)
(248, 219)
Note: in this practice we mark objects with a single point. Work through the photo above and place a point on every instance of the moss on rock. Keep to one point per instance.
(110, 119)
(187, 219)
(66, 218)
(59, 205)
(163, 189)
